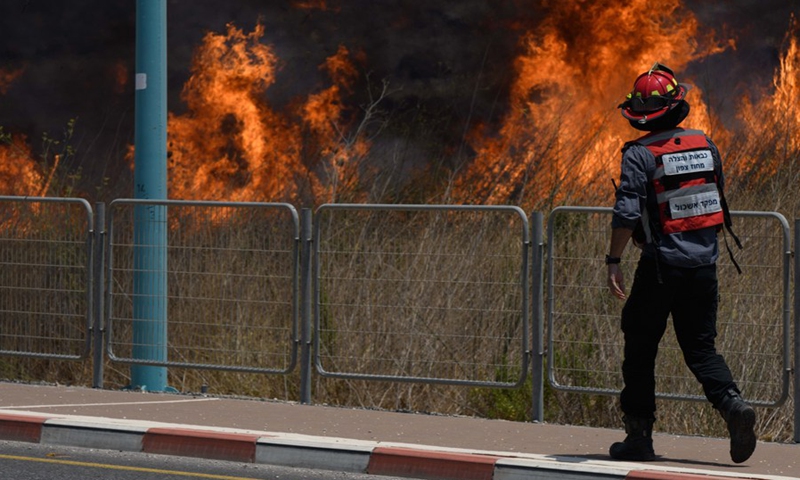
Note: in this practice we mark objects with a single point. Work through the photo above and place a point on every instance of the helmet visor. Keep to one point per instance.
(650, 104)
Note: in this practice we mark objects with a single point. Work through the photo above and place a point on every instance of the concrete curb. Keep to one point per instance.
(337, 454)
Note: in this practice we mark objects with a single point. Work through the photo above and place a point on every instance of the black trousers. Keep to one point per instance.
(691, 296)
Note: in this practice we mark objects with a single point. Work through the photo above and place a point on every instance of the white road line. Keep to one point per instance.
(2, 407)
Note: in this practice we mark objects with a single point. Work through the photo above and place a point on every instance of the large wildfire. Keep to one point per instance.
(770, 125)
(558, 137)
(562, 131)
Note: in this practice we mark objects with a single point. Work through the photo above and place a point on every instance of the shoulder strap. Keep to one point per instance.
(728, 226)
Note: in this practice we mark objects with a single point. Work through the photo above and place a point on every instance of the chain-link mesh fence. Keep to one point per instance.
(585, 342)
(231, 285)
(426, 293)
(45, 277)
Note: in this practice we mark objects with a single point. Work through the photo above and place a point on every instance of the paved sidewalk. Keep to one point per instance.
(358, 440)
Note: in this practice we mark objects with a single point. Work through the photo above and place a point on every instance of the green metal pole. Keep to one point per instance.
(150, 177)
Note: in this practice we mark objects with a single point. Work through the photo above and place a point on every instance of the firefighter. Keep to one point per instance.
(670, 200)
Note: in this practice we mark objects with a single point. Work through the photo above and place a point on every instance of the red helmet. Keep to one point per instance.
(655, 93)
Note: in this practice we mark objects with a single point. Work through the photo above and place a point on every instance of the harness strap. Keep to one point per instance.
(728, 226)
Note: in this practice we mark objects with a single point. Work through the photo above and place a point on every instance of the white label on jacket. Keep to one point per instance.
(688, 162)
(693, 205)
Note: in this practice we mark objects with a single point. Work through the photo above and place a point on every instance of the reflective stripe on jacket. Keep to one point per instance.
(685, 180)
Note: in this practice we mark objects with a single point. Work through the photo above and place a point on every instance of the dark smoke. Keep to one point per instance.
(449, 62)
(758, 29)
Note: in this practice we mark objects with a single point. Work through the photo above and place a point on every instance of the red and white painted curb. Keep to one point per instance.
(325, 453)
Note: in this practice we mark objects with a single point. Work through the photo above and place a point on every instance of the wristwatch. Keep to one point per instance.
(612, 260)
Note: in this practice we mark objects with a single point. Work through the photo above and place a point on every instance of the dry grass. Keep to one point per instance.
(433, 295)
(586, 345)
(437, 297)
(428, 295)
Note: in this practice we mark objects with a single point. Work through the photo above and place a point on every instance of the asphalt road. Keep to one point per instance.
(26, 461)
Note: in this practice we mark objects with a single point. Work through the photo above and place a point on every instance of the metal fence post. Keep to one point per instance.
(98, 293)
(796, 333)
(305, 302)
(537, 364)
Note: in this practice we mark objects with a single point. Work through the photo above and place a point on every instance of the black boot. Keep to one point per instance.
(638, 445)
(741, 418)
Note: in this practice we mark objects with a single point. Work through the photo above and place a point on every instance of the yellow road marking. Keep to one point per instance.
(123, 467)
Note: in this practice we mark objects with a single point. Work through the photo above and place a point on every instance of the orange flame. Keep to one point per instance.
(771, 123)
(232, 145)
(558, 141)
(340, 151)
(562, 131)
(19, 173)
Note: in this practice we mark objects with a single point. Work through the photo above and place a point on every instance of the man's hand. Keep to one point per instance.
(619, 239)
(616, 282)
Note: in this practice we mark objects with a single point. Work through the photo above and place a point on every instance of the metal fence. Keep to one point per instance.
(400, 293)
(45, 277)
(231, 286)
(422, 293)
(754, 324)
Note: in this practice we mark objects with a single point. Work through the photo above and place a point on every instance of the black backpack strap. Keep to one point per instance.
(730, 252)
(727, 216)
(726, 213)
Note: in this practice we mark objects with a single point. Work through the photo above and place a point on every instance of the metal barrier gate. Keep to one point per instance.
(45, 277)
(401, 293)
(232, 285)
(422, 293)
(584, 338)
